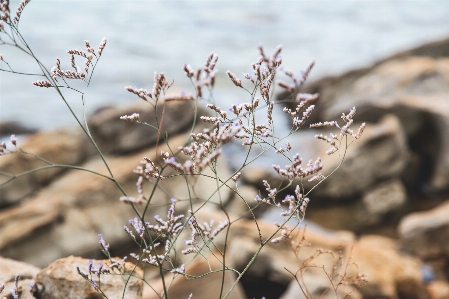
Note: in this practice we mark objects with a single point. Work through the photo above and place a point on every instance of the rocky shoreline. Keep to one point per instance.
(386, 207)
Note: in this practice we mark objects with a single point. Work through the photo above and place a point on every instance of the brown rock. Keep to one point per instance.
(391, 273)
(58, 147)
(438, 290)
(425, 233)
(61, 280)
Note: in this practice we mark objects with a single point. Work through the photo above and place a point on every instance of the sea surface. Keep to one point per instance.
(147, 36)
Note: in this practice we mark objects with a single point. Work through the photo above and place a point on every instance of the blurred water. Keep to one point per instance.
(148, 36)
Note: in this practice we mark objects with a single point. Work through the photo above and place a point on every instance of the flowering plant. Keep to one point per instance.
(250, 123)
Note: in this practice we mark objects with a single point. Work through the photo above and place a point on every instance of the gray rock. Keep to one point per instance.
(115, 136)
(12, 127)
(383, 199)
(426, 233)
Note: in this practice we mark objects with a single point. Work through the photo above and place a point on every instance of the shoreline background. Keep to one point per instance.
(147, 36)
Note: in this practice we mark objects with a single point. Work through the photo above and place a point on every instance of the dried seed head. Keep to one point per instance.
(132, 118)
(42, 83)
(236, 177)
(234, 79)
(101, 46)
(19, 10)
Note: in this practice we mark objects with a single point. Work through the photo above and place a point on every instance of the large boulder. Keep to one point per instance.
(426, 233)
(61, 280)
(415, 89)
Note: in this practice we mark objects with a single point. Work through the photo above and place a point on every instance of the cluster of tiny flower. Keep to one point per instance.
(263, 76)
(165, 229)
(160, 86)
(4, 10)
(203, 151)
(249, 107)
(140, 199)
(297, 82)
(204, 76)
(294, 202)
(22, 5)
(294, 170)
(148, 170)
(92, 270)
(335, 140)
(42, 83)
(103, 245)
(205, 231)
(214, 120)
(3, 147)
(283, 236)
(260, 130)
(236, 177)
(298, 122)
(135, 117)
(287, 148)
